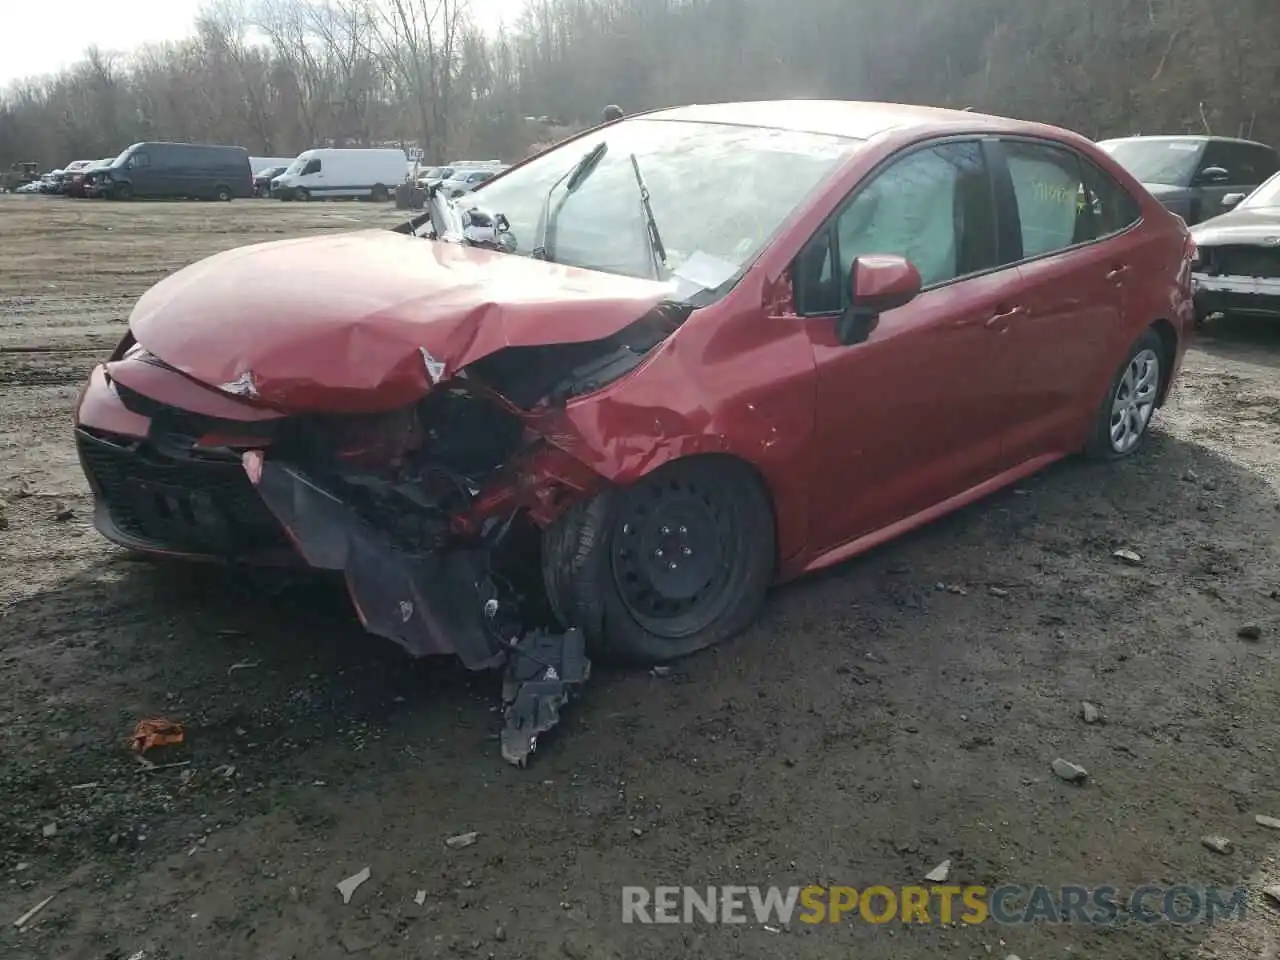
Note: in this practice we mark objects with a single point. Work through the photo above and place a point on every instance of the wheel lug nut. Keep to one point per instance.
(666, 531)
(672, 565)
(658, 553)
(684, 531)
(686, 551)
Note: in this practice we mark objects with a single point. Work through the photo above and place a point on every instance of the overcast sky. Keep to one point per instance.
(31, 44)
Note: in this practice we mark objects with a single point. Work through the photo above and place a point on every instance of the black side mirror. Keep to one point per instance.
(1215, 175)
(877, 283)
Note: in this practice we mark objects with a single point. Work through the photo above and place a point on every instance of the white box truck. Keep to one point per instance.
(329, 173)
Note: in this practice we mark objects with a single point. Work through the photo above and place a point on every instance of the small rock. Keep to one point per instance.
(1068, 771)
(1270, 822)
(998, 591)
(348, 886)
(957, 590)
(574, 948)
(420, 897)
(1273, 893)
(1089, 712)
(461, 840)
(1191, 477)
(661, 671)
(354, 943)
(1250, 631)
(50, 830)
(61, 511)
(1130, 557)
(500, 933)
(637, 832)
(939, 873)
(1217, 844)
(915, 784)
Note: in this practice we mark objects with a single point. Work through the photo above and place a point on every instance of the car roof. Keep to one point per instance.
(854, 119)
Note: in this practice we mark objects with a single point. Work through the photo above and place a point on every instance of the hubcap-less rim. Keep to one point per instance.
(668, 556)
(1134, 401)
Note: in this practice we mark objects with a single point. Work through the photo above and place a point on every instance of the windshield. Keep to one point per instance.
(295, 168)
(1166, 162)
(270, 172)
(718, 192)
(1267, 195)
(124, 155)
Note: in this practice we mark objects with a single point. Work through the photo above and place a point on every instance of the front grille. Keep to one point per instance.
(1244, 261)
(198, 504)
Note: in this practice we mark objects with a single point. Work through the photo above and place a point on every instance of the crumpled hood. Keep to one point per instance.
(370, 320)
(1240, 226)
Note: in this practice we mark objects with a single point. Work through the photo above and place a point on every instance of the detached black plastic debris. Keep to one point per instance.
(545, 671)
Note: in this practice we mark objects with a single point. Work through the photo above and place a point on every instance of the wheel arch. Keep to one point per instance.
(1168, 335)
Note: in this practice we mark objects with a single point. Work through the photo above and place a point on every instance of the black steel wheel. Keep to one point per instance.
(678, 562)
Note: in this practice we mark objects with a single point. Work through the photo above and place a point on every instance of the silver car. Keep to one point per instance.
(464, 181)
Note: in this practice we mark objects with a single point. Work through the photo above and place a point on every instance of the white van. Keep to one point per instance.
(329, 173)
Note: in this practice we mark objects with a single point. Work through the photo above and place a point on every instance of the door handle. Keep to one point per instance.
(1117, 273)
(1000, 321)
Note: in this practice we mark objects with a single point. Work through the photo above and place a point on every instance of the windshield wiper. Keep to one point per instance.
(656, 247)
(575, 175)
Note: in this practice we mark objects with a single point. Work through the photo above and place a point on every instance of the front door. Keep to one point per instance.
(916, 414)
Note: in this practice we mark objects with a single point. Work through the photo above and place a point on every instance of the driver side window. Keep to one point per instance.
(934, 207)
(313, 166)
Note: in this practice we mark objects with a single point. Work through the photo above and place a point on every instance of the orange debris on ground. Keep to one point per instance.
(157, 732)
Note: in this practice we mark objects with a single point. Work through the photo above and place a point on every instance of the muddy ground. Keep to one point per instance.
(870, 726)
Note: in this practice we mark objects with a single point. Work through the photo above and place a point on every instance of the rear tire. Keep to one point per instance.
(222, 193)
(379, 193)
(676, 563)
(1124, 419)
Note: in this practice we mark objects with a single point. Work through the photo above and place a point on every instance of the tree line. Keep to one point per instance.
(278, 76)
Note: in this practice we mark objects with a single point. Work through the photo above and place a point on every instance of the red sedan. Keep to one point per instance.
(695, 352)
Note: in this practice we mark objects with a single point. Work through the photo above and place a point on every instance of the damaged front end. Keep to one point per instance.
(428, 513)
(394, 426)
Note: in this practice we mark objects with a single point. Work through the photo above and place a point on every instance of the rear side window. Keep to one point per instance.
(1048, 186)
(1064, 200)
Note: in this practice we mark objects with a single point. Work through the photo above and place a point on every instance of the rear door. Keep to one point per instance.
(1073, 269)
(917, 413)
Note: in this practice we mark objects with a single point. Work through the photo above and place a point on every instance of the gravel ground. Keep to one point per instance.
(898, 711)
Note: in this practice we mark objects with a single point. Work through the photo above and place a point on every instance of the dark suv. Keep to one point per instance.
(178, 170)
(1192, 176)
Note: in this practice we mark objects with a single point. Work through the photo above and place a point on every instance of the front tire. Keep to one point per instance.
(1125, 416)
(676, 563)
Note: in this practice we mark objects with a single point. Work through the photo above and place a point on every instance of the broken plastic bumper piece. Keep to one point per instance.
(545, 672)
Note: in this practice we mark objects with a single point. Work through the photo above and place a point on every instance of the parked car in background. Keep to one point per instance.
(1237, 268)
(464, 180)
(78, 185)
(640, 381)
(261, 163)
(1192, 176)
(195, 171)
(332, 173)
(262, 179)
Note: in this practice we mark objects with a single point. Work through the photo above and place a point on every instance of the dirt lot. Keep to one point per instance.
(869, 727)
